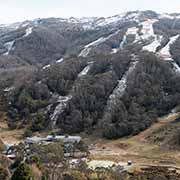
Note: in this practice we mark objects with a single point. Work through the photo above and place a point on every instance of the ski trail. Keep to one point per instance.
(62, 104)
(87, 49)
(64, 100)
(122, 84)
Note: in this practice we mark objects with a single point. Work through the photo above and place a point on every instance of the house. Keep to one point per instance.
(69, 144)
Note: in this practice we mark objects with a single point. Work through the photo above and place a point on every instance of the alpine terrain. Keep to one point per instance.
(110, 77)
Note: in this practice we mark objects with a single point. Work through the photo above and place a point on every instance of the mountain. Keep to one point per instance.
(114, 74)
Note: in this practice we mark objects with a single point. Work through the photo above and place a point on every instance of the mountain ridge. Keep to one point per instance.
(94, 18)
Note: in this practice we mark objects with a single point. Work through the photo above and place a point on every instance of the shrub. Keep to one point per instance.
(23, 172)
(4, 174)
(28, 133)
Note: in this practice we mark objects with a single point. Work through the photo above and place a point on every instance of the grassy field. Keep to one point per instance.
(7, 135)
(137, 148)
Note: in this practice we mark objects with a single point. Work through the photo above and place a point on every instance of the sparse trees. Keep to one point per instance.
(23, 172)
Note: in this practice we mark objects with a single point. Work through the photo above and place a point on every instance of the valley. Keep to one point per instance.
(137, 148)
(83, 94)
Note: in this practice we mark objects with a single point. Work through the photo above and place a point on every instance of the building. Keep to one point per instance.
(64, 139)
(70, 146)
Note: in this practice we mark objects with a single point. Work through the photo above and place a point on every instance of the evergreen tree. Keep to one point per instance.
(23, 172)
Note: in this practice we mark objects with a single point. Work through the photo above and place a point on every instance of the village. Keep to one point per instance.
(75, 151)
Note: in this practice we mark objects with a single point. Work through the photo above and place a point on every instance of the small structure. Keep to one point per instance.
(10, 151)
(69, 144)
(129, 163)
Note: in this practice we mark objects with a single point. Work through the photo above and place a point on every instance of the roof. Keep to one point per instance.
(65, 139)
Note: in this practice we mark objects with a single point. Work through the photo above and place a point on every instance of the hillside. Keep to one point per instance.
(111, 83)
(115, 74)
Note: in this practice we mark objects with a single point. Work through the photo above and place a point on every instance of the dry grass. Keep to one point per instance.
(10, 136)
(136, 148)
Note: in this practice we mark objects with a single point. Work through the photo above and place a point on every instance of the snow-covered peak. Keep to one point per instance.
(165, 15)
(109, 20)
(169, 16)
(93, 22)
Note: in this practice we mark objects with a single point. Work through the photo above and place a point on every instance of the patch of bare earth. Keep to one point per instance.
(8, 135)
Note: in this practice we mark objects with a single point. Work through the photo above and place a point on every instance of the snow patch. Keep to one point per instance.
(85, 52)
(166, 55)
(9, 45)
(152, 47)
(62, 103)
(147, 28)
(133, 16)
(122, 84)
(8, 89)
(24, 24)
(114, 50)
(87, 48)
(176, 67)
(123, 42)
(60, 60)
(146, 32)
(165, 52)
(28, 31)
(95, 22)
(85, 70)
(130, 31)
(165, 15)
(110, 20)
(96, 42)
(46, 66)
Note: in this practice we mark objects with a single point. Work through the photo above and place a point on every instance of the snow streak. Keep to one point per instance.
(62, 103)
(122, 84)
(85, 70)
(28, 31)
(165, 52)
(85, 52)
(9, 45)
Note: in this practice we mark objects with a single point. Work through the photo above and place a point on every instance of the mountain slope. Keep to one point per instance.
(116, 74)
